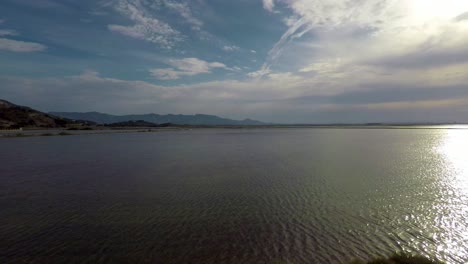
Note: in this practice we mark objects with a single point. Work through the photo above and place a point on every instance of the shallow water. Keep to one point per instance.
(234, 196)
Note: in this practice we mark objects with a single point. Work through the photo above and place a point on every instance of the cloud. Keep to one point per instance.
(185, 12)
(159, 33)
(168, 74)
(269, 5)
(2, 21)
(46, 4)
(424, 59)
(185, 67)
(8, 32)
(462, 17)
(325, 16)
(284, 97)
(230, 48)
(146, 27)
(338, 37)
(147, 24)
(259, 73)
(20, 46)
(277, 49)
(16, 45)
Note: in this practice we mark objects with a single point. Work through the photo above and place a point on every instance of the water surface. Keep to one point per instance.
(234, 196)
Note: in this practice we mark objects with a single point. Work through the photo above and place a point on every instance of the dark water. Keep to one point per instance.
(234, 196)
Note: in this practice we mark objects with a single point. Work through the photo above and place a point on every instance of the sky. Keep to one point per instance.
(283, 61)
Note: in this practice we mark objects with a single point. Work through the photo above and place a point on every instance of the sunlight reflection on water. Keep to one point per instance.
(453, 148)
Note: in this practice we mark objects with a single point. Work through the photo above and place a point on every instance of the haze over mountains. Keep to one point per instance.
(16, 116)
(197, 119)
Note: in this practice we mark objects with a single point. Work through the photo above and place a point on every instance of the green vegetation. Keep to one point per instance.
(400, 259)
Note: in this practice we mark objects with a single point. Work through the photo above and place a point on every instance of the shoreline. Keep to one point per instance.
(66, 132)
(38, 132)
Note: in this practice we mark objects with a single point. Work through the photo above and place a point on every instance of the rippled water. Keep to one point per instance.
(235, 196)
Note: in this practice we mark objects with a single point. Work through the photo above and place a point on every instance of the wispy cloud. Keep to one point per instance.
(385, 28)
(230, 48)
(16, 45)
(183, 9)
(20, 46)
(256, 74)
(185, 67)
(269, 5)
(148, 26)
(145, 27)
(309, 15)
(8, 32)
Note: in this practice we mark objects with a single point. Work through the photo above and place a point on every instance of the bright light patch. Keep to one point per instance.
(437, 9)
(454, 147)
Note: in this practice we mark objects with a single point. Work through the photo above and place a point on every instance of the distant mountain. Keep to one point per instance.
(198, 119)
(15, 116)
(138, 123)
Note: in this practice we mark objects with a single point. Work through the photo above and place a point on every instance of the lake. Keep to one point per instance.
(234, 196)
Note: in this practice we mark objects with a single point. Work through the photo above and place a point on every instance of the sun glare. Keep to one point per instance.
(454, 148)
(437, 9)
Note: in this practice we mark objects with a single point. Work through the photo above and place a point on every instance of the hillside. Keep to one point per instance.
(138, 123)
(198, 119)
(15, 116)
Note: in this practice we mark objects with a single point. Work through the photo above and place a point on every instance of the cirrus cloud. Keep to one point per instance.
(20, 46)
(145, 27)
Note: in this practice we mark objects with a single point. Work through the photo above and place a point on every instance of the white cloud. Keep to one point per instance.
(8, 32)
(269, 5)
(368, 32)
(146, 27)
(230, 48)
(20, 46)
(185, 67)
(253, 51)
(184, 11)
(168, 74)
(259, 73)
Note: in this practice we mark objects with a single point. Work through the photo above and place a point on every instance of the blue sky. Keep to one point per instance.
(275, 60)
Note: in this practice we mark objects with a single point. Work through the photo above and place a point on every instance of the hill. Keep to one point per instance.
(198, 119)
(14, 116)
(138, 123)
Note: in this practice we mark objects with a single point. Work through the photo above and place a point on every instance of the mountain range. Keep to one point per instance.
(16, 116)
(197, 119)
